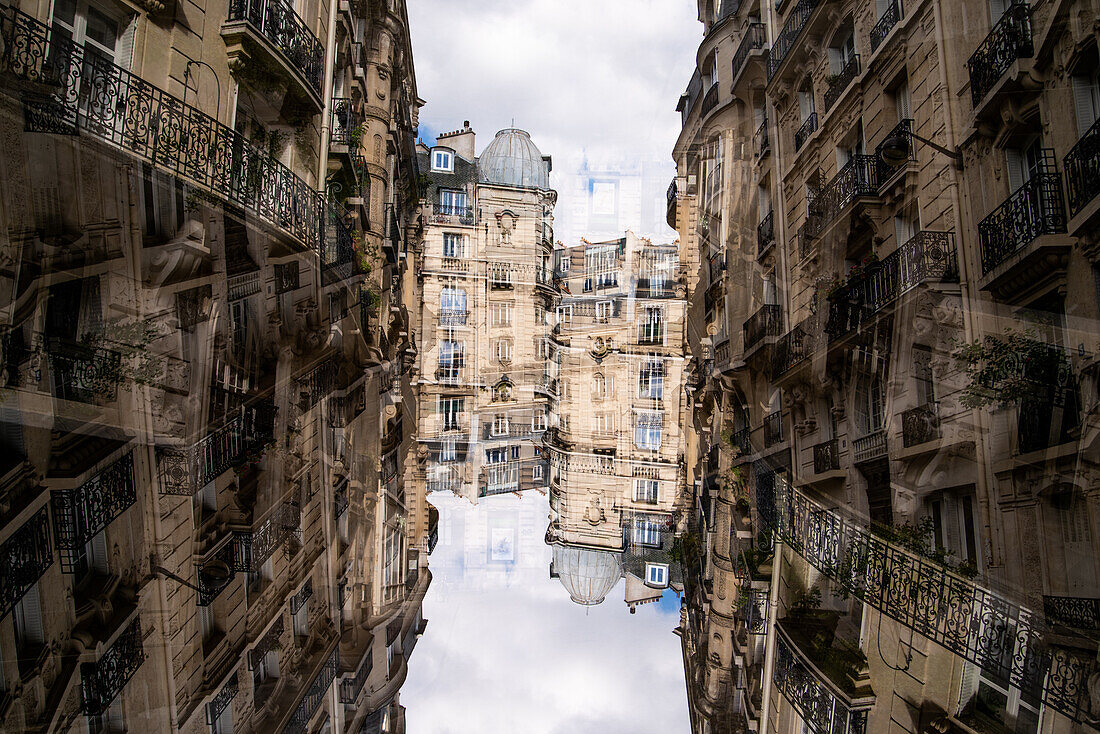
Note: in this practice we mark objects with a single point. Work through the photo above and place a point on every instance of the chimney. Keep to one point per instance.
(461, 140)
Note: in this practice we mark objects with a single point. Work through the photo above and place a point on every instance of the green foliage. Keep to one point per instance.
(131, 340)
(1003, 370)
(806, 603)
(918, 537)
(685, 549)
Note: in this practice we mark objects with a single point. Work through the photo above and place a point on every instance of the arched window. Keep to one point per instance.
(599, 386)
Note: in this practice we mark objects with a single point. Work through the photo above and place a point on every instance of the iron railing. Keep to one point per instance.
(805, 130)
(742, 441)
(753, 39)
(82, 372)
(889, 18)
(352, 687)
(974, 623)
(869, 447)
(792, 29)
(763, 141)
(903, 129)
(1072, 611)
(276, 21)
(338, 256)
(1082, 164)
(766, 321)
(1036, 208)
(80, 513)
(826, 456)
(793, 347)
(222, 699)
(765, 233)
(773, 429)
(81, 90)
(315, 694)
(755, 611)
(104, 679)
(710, 99)
(670, 195)
(1010, 39)
(287, 277)
(840, 82)
(920, 425)
(859, 177)
(452, 214)
(267, 643)
(817, 702)
(345, 122)
(184, 471)
(24, 556)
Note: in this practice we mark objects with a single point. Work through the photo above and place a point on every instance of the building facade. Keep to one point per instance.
(888, 212)
(207, 356)
(485, 271)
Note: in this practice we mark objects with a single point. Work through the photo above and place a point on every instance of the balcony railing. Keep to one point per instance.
(826, 456)
(221, 700)
(276, 21)
(920, 425)
(80, 513)
(84, 91)
(315, 694)
(787, 37)
(345, 122)
(753, 39)
(1035, 209)
(184, 471)
(805, 130)
(83, 373)
(869, 447)
(452, 214)
(24, 556)
(453, 317)
(840, 82)
(351, 688)
(103, 680)
(765, 233)
(859, 177)
(338, 256)
(767, 321)
(1082, 164)
(903, 129)
(1009, 40)
(1048, 416)
(817, 699)
(889, 18)
(763, 141)
(1072, 611)
(670, 195)
(1008, 641)
(710, 99)
(741, 441)
(793, 347)
(773, 429)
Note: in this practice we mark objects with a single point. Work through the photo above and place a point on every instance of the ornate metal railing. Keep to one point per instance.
(82, 512)
(276, 21)
(889, 18)
(1082, 164)
(266, 644)
(221, 700)
(287, 277)
(304, 595)
(450, 214)
(763, 141)
(433, 539)
(816, 699)
(338, 256)
(24, 556)
(978, 625)
(793, 347)
(920, 425)
(1009, 40)
(1034, 209)
(869, 447)
(766, 321)
(102, 680)
(753, 39)
(773, 429)
(805, 130)
(351, 688)
(83, 373)
(710, 99)
(670, 195)
(826, 456)
(317, 384)
(903, 129)
(315, 695)
(787, 37)
(1072, 611)
(859, 177)
(257, 546)
(345, 122)
(765, 233)
(79, 90)
(755, 611)
(840, 82)
(927, 256)
(340, 499)
(741, 440)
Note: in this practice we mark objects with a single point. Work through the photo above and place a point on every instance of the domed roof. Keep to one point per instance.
(588, 575)
(513, 159)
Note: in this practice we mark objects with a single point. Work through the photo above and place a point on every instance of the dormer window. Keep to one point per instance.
(443, 160)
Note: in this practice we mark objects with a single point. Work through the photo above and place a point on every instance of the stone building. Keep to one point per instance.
(485, 273)
(207, 354)
(898, 535)
(616, 376)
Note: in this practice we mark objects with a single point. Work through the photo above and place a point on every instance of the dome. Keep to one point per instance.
(512, 159)
(588, 575)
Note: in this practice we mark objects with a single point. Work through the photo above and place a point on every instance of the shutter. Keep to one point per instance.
(901, 99)
(99, 552)
(1015, 167)
(969, 684)
(1084, 102)
(124, 52)
(951, 522)
(881, 6)
(32, 616)
(996, 10)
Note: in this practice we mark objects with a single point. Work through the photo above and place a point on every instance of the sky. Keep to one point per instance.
(595, 79)
(505, 649)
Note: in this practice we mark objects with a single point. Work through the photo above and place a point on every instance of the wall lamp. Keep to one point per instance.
(896, 149)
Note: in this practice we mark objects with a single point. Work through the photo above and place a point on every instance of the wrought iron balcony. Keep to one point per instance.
(86, 374)
(763, 141)
(767, 321)
(24, 556)
(840, 82)
(83, 91)
(1048, 417)
(352, 687)
(741, 441)
(755, 610)
(315, 694)
(345, 123)
(1072, 611)
(903, 129)
(809, 125)
(826, 456)
(716, 266)
(221, 700)
(1009, 40)
(869, 447)
(792, 29)
(339, 260)
(670, 194)
(765, 233)
(753, 39)
(184, 471)
(858, 178)
(287, 277)
(819, 701)
(80, 513)
(340, 499)
(1082, 164)
(920, 425)
(710, 99)
(1035, 209)
(793, 347)
(882, 27)
(103, 680)
(773, 429)
(276, 21)
(315, 385)
(985, 628)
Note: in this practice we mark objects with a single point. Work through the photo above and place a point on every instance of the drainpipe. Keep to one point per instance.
(769, 641)
(326, 100)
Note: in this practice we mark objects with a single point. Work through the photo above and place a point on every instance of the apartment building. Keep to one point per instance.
(888, 212)
(207, 354)
(485, 272)
(616, 374)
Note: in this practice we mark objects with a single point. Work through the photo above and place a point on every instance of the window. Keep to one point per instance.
(563, 264)
(542, 348)
(451, 360)
(647, 430)
(454, 245)
(656, 574)
(453, 202)
(599, 386)
(1023, 163)
(502, 351)
(27, 621)
(442, 160)
(922, 374)
(111, 721)
(538, 422)
(500, 275)
(601, 267)
(604, 424)
(647, 532)
(651, 329)
(500, 313)
(645, 490)
(603, 312)
(499, 426)
(448, 450)
(449, 410)
(651, 380)
(901, 101)
(207, 624)
(565, 314)
(1086, 99)
(536, 471)
(452, 307)
(497, 455)
(805, 100)
(99, 31)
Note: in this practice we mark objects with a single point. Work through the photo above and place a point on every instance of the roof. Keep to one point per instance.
(512, 159)
(588, 575)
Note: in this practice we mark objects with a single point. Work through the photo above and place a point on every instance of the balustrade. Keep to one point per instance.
(859, 177)
(1036, 208)
(870, 447)
(840, 82)
(351, 688)
(80, 513)
(1072, 611)
(1082, 164)
(84, 373)
(773, 429)
(765, 322)
(103, 680)
(1010, 39)
(24, 556)
(793, 347)
(818, 701)
(452, 214)
(889, 18)
(276, 21)
(826, 456)
(809, 125)
(753, 39)
(792, 29)
(765, 233)
(920, 425)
